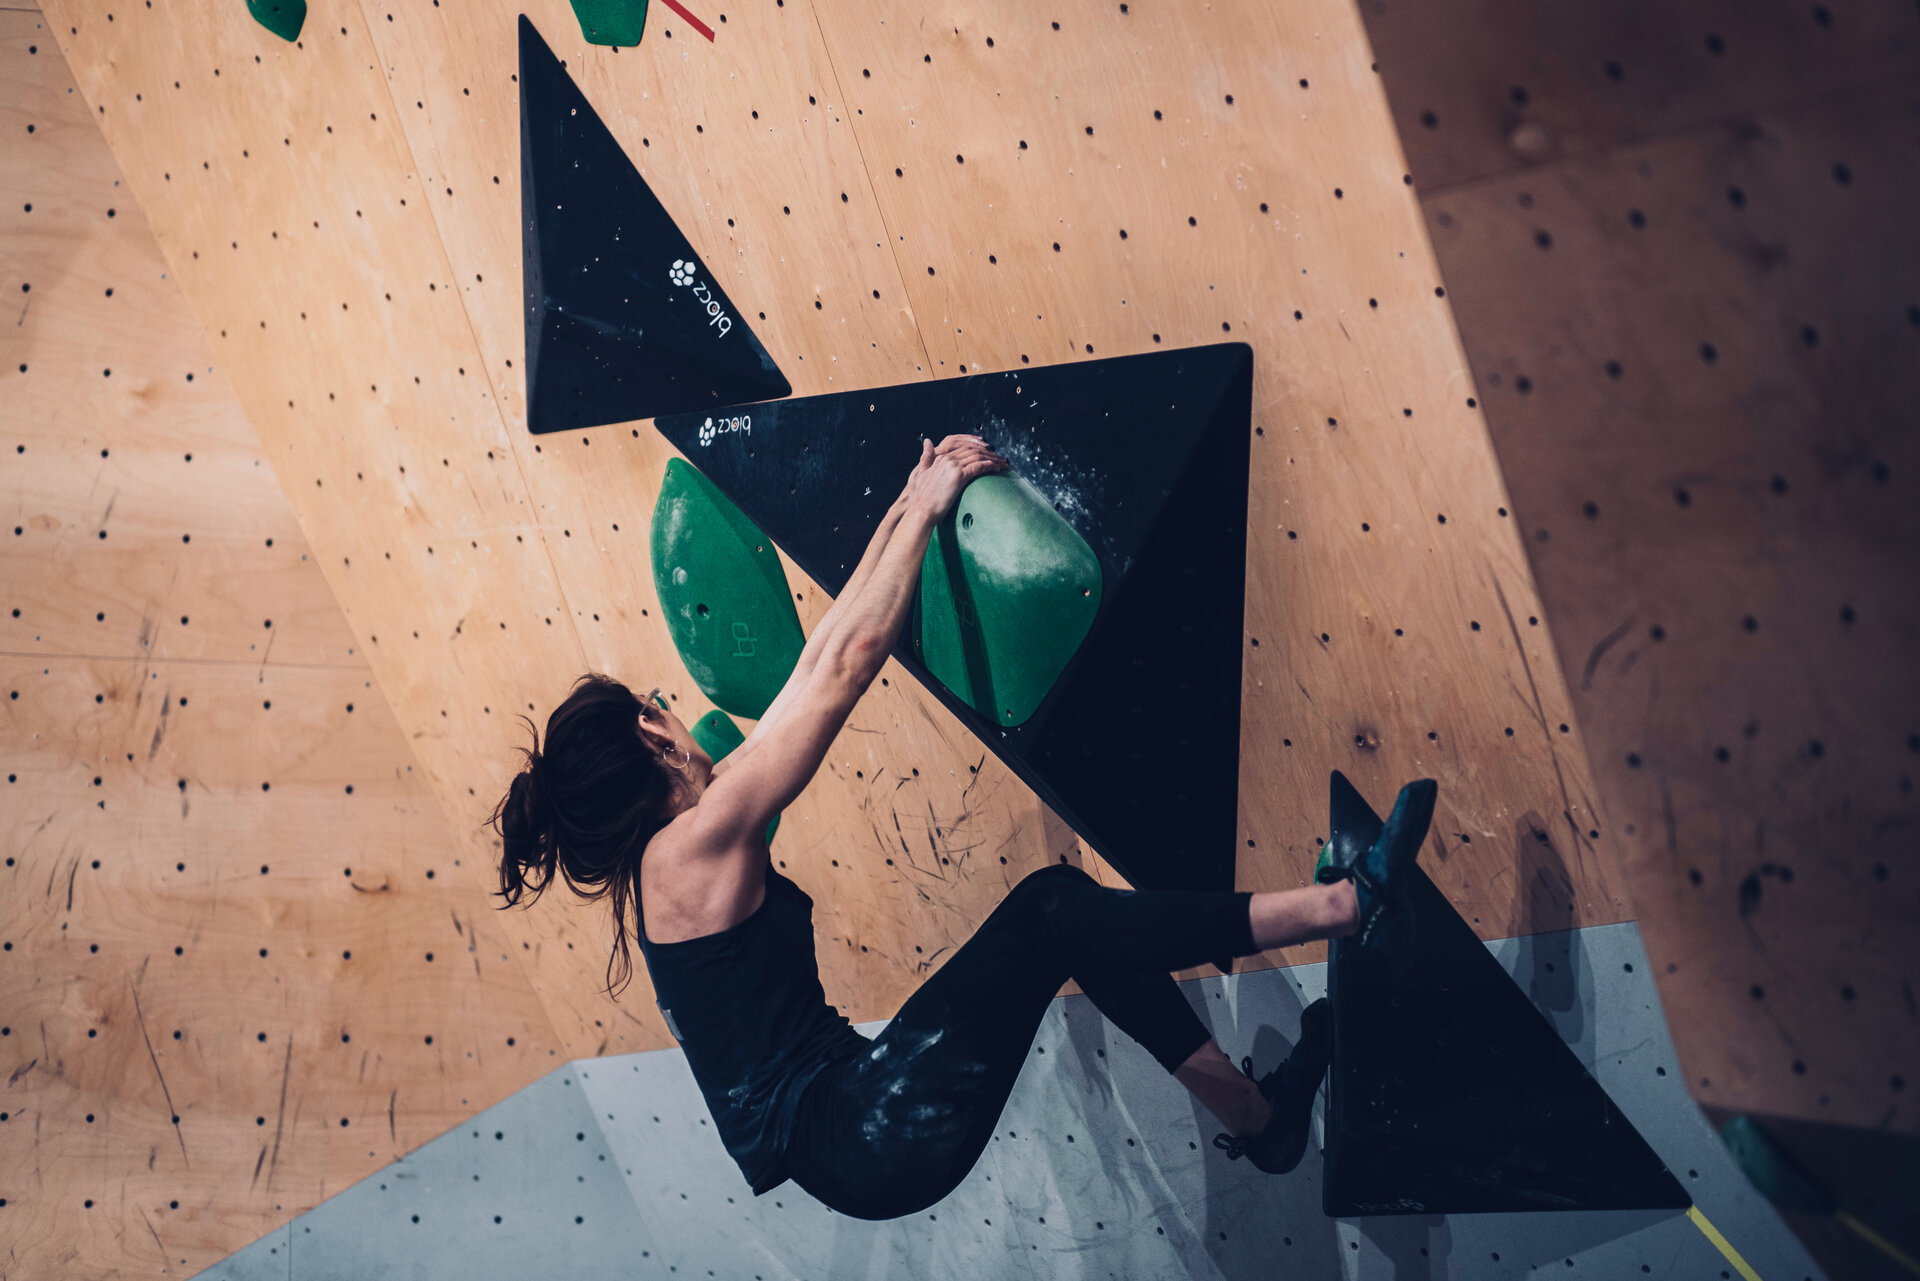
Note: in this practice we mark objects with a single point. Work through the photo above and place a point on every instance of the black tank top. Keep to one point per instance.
(748, 1010)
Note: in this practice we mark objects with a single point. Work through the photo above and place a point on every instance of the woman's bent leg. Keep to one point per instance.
(895, 1130)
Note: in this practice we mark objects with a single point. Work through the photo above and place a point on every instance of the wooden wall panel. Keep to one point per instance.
(216, 930)
(282, 192)
(1729, 544)
(1382, 640)
(181, 797)
(83, 277)
(1527, 83)
(1699, 343)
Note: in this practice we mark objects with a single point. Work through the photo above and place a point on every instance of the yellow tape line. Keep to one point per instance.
(1879, 1242)
(1721, 1244)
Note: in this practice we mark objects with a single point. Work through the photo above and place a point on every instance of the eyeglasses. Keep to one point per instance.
(651, 701)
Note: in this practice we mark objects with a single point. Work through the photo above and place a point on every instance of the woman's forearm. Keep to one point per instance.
(837, 612)
(828, 625)
(862, 640)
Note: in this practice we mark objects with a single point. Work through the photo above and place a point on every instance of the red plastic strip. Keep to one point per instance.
(698, 25)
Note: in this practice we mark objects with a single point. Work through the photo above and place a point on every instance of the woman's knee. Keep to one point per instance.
(1031, 908)
(1049, 880)
(1039, 892)
(1046, 887)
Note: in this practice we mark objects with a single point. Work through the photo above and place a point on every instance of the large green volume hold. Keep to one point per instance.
(282, 17)
(724, 594)
(718, 735)
(1008, 590)
(616, 22)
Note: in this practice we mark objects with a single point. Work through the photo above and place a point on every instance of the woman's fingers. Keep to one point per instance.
(973, 455)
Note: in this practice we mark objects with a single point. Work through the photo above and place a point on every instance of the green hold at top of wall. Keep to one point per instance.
(282, 17)
(611, 22)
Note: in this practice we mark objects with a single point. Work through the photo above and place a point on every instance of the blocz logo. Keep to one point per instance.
(725, 427)
(681, 273)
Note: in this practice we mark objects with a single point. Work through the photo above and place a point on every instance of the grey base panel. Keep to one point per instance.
(1102, 1167)
(527, 1189)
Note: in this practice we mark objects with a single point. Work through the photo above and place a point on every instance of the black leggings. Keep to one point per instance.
(897, 1128)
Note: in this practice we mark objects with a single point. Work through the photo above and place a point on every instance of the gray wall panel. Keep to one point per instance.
(536, 1160)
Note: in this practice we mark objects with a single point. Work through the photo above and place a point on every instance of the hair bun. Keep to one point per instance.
(537, 790)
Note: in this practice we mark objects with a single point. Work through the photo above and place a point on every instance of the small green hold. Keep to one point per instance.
(611, 22)
(1325, 861)
(1769, 1168)
(718, 735)
(282, 17)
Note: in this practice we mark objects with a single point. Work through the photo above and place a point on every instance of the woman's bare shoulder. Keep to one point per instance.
(689, 888)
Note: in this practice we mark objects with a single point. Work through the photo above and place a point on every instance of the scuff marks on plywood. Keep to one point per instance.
(280, 1118)
(160, 728)
(1581, 842)
(165, 1093)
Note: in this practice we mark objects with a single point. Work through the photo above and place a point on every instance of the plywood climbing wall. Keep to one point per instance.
(1680, 242)
(241, 966)
(904, 195)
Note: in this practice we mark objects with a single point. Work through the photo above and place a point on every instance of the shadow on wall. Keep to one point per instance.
(1239, 1221)
(1418, 1245)
(1546, 968)
(1243, 1236)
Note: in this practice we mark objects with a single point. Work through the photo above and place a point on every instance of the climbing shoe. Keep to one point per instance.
(1382, 872)
(1290, 1088)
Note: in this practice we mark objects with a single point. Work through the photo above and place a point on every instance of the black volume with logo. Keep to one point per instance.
(1146, 457)
(623, 320)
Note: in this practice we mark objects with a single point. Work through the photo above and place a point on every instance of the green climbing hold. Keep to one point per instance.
(614, 22)
(1768, 1167)
(718, 735)
(282, 17)
(724, 594)
(1008, 590)
(1325, 860)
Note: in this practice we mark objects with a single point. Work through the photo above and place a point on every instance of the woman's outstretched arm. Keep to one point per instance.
(876, 548)
(823, 631)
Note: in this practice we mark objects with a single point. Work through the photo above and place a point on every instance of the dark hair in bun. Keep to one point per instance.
(586, 808)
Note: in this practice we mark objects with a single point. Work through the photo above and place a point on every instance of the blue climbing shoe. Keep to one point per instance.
(1290, 1088)
(1381, 871)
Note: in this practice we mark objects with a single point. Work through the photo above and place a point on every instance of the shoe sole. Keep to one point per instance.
(1407, 827)
(1404, 833)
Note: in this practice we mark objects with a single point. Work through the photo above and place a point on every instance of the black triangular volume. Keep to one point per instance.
(1137, 743)
(623, 320)
(1450, 1093)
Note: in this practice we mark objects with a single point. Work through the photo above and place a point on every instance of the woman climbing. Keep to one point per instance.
(882, 1128)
